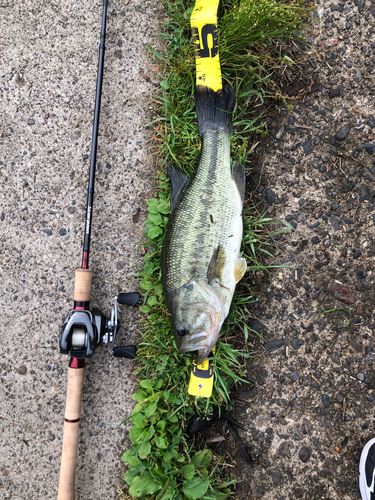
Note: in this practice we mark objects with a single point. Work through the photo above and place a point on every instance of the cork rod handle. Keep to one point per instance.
(82, 285)
(71, 434)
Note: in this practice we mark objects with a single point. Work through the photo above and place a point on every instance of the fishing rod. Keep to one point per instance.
(83, 330)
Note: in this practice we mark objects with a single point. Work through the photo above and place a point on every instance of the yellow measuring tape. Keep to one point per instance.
(203, 23)
(202, 379)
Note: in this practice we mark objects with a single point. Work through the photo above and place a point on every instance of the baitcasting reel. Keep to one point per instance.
(83, 330)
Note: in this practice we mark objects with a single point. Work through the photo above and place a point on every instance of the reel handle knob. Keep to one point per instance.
(128, 351)
(128, 299)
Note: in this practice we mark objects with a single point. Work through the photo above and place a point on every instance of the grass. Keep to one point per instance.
(163, 462)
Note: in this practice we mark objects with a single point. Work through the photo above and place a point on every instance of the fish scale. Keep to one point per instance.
(192, 237)
(201, 261)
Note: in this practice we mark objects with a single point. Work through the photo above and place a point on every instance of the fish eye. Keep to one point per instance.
(181, 331)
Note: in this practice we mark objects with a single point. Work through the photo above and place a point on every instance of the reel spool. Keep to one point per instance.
(78, 338)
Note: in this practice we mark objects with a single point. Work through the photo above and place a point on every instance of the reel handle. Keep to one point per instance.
(128, 299)
(76, 372)
(128, 351)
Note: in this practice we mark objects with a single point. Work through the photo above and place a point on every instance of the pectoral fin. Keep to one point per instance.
(238, 175)
(216, 266)
(179, 181)
(240, 267)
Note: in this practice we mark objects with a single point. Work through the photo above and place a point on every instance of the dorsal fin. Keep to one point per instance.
(178, 180)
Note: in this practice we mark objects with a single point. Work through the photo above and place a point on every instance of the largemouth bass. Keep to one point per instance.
(201, 261)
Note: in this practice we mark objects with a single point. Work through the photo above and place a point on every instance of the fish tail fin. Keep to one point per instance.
(214, 109)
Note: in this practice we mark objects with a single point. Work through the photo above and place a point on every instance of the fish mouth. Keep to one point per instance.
(194, 342)
(202, 354)
(200, 343)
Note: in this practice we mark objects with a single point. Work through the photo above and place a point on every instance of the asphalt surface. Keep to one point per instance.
(48, 68)
(309, 408)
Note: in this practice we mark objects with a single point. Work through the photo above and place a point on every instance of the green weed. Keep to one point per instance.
(250, 42)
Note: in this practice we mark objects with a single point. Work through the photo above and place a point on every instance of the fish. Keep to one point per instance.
(201, 256)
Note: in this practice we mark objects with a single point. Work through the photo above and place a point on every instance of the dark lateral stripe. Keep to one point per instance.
(72, 421)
